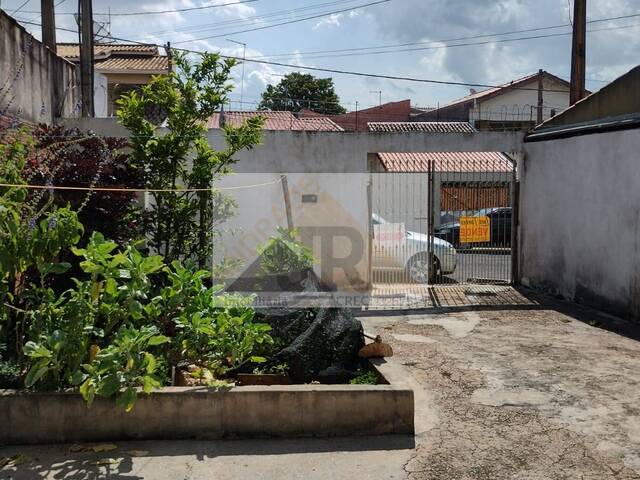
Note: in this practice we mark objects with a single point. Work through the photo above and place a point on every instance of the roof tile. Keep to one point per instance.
(277, 121)
(435, 127)
(446, 161)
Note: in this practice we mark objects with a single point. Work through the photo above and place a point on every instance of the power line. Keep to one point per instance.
(486, 42)
(20, 7)
(247, 20)
(285, 23)
(159, 12)
(335, 71)
(471, 37)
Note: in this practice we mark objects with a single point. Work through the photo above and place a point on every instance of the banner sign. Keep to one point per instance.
(474, 229)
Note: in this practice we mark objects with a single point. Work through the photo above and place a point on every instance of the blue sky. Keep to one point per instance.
(610, 52)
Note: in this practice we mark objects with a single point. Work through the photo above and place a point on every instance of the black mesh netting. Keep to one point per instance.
(316, 343)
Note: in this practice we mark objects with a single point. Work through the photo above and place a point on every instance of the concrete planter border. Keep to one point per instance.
(197, 412)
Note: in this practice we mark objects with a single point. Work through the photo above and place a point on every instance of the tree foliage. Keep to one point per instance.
(302, 90)
(182, 225)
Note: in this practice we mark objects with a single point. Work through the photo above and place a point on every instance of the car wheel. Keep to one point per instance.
(418, 268)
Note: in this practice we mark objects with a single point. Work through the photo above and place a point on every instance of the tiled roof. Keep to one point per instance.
(72, 50)
(277, 121)
(120, 57)
(446, 162)
(133, 63)
(436, 127)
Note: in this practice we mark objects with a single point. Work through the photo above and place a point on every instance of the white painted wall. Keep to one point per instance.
(521, 104)
(580, 219)
(332, 165)
(100, 95)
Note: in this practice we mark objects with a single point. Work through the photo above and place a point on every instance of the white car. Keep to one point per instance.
(398, 250)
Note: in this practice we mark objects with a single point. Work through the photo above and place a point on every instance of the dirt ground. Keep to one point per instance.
(529, 392)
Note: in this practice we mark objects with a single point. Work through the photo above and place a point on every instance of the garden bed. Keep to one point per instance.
(202, 413)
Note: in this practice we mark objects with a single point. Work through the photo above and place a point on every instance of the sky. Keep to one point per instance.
(423, 28)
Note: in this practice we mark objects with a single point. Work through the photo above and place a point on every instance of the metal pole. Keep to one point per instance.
(86, 57)
(540, 100)
(48, 24)
(287, 202)
(578, 51)
(169, 57)
(244, 56)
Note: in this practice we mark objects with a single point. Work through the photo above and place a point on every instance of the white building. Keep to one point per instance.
(512, 106)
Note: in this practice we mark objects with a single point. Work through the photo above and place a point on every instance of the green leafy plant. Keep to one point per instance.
(365, 377)
(279, 369)
(283, 253)
(123, 367)
(32, 238)
(181, 223)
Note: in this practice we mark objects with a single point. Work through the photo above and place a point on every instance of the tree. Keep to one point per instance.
(301, 90)
(179, 165)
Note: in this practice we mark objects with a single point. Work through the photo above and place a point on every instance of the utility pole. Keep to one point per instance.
(86, 57)
(578, 51)
(48, 24)
(540, 100)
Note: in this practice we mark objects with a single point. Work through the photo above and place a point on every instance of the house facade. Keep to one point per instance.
(512, 106)
(118, 68)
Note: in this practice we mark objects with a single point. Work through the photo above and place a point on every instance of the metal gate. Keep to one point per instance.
(442, 218)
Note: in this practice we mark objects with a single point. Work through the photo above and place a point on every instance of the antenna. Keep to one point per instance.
(379, 92)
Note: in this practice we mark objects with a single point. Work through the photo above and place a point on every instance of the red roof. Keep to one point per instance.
(434, 127)
(277, 121)
(446, 161)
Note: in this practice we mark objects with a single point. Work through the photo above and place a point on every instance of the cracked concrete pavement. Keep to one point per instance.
(521, 394)
(526, 393)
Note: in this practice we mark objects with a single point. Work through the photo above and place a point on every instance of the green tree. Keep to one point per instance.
(182, 225)
(301, 90)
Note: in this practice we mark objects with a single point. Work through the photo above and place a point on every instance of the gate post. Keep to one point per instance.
(430, 221)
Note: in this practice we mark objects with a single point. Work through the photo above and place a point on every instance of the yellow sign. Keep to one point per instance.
(474, 229)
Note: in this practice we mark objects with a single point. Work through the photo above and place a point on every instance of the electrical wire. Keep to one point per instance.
(20, 7)
(468, 44)
(339, 71)
(286, 23)
(471, 37)
(246, 20)
(158, 12)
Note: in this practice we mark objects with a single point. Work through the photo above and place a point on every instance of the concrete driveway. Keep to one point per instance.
(531, 391)
(524, 393)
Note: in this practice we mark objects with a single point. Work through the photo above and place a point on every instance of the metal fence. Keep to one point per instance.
(445, 220)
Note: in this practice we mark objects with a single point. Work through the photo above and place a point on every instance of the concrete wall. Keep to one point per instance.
(334, 166)
(620, 97)
(198, 412)
(36, 85)
(580, 219)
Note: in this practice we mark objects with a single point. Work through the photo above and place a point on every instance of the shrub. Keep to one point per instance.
(69, 157)
(182, 225)
(282, 253)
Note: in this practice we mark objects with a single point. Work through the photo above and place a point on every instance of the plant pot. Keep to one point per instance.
(262, 379)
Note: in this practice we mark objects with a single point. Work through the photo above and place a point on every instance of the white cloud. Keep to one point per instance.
(330, 21)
